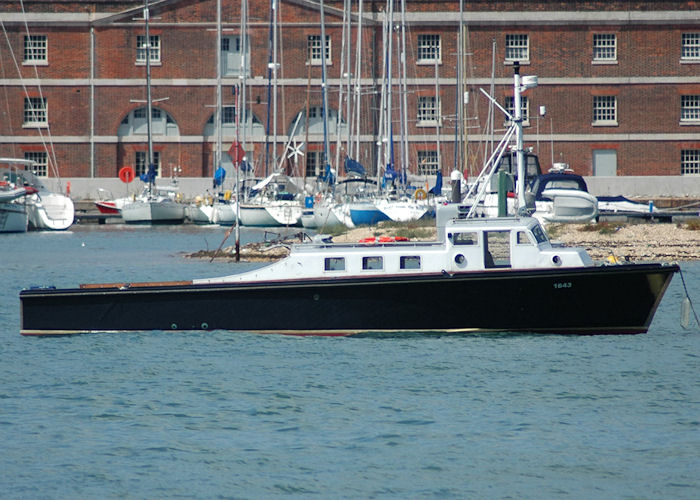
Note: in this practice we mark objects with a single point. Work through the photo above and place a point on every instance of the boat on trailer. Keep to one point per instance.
(479, 275)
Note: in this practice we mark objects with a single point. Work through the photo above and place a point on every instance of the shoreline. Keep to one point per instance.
(665, 242)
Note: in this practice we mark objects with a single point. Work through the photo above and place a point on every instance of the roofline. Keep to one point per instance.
(440, 18)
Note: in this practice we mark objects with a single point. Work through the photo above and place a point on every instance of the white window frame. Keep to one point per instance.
(690, 162)
(690, 109)
(524, 108)
(690, 47)
(313, 50)
(429, 49)
(604, 110)
(141, 162)
(428, 111)
(35, 50)
(40, 168)
(604, 48)
(35, 112)
(428, 163)
(154, 50)
(517, 48)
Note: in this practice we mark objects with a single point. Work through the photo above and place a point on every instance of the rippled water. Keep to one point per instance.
(206, 415)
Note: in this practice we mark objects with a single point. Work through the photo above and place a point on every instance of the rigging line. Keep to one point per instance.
(7, 100)
(51, 152)
(687, 295)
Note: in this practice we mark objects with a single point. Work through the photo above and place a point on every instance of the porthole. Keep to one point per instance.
(460, 260)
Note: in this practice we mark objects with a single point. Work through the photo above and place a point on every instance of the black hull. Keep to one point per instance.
(600, 300)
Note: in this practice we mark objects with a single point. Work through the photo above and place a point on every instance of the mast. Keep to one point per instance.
(149, 100)
(404, 92)
(324, 88)
(519, 86)
(217, 113)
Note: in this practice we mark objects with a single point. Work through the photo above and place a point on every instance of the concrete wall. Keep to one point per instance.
(630, 186)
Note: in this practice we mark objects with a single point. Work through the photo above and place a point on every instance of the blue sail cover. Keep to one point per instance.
(149, 176)
(327, 176)
(219, 176)
(437, 189)
(353, 166)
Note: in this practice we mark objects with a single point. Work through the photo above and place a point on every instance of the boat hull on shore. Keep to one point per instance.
(486, 301)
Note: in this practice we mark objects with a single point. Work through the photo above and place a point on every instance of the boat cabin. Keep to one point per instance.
(463, 245)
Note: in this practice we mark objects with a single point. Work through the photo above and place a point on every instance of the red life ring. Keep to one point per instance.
(126, 174)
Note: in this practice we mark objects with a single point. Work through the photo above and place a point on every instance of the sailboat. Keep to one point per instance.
(153, 207)
(26, 203)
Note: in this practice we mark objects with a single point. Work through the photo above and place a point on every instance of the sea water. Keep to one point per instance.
(245, 416)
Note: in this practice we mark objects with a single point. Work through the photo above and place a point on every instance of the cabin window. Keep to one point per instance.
(523, 238)
(369, 263)
(539, 234)
(469, 238)
(497, 249)
(409, 262)
(335, 264)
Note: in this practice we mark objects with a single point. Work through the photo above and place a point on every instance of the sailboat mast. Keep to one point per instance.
(149, 100)
(324, 88)
(217, 113)
(404, 99)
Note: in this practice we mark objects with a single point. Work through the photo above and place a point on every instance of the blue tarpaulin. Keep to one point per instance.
(219, 176)
(149, 176)
(353, 166)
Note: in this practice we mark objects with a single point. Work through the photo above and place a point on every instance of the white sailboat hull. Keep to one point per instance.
(153, 212)
(270, 215)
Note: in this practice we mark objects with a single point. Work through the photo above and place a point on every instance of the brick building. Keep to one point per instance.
(618, 94)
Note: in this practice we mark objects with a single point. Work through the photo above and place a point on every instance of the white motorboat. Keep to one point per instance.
(45, 210)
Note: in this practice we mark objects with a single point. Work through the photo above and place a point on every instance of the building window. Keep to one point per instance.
(141, 49)
(429, 49)
(428, 113)
(428, 163)
(334, 263)
(314, 50)
(690, 108)
(604, 110)
(35, 111)
(690, 50)
(314, 163)
(41, 163)
(517, 48)
(141, 163)
(372, 263)
(35, 49)
(524, 108)
(690, 162)
(604, 47)
(409, 262)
